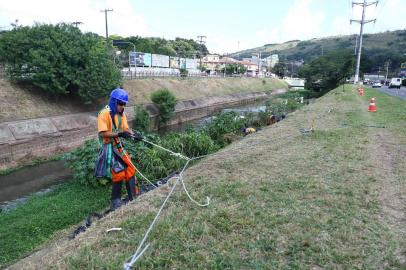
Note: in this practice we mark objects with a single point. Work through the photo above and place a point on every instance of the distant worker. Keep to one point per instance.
(248, 130)
(112, 125)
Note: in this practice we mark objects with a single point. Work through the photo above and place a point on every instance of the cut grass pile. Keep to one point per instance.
(280, 199)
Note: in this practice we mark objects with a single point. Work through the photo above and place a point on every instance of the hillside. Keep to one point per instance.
(377, 47)
(23, 102)
(280, 199)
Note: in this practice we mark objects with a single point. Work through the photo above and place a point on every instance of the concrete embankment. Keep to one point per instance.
(19, 102)
(24, 140)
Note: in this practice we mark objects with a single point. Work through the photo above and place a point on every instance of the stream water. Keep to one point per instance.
(16, 187)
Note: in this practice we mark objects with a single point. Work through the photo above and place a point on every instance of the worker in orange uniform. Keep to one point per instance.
(112, 126)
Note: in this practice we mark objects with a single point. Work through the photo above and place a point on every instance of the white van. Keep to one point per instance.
(395, 82)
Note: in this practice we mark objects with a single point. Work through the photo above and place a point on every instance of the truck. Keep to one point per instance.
(395, 83)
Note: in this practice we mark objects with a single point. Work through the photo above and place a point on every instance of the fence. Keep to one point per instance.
(146, 72)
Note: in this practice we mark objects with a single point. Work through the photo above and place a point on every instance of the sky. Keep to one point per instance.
(229, 25)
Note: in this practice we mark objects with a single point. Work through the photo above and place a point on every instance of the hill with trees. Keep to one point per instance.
(377, 48)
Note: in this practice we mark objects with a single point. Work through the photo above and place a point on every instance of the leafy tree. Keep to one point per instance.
(235, 69)
(165, 101)
(279, 69)
(59, 59)
(326, 72)
(179, 47)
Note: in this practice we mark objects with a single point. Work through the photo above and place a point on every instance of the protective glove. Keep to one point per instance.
(137, 137)
(124, 135)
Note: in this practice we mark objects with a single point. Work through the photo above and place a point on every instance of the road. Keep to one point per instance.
(401, 93)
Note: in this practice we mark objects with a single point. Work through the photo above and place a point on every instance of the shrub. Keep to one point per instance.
(59, 60)
(141, 119)
(165, 101)
(82, 163)
(224, 123)
(151, 162)
(183, 72)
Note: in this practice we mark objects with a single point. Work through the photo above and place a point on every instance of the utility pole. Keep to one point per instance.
(387, 70)
(356, 45)
(105, 16)
(201, 40)
(77, 23)
(361, 22)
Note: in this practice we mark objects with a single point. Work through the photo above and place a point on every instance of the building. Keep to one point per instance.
(211, 62)
(271, 61)
(252, 68)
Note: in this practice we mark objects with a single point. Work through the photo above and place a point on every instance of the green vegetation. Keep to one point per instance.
(60, 60)
(25, 228)
(235, 69)
(179, 47)
(30, 225)
(280, 200)
(166, 102)
(141, 118)
(327, 72)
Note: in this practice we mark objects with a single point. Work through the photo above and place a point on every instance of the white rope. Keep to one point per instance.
(137, 168)
(137, 253)
(145, 178)
(167, 150)
(187, 193)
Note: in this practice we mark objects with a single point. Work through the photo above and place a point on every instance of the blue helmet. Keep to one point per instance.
(119, 94)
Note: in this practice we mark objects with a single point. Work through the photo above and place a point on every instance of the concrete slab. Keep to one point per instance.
(29, 128)
(5, 134)
(73, 122)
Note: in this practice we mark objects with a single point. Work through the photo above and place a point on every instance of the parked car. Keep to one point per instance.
(395, 82)
(376, 85)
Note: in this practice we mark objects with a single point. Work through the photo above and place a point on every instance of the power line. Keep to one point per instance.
(361, 22)
(105, 16)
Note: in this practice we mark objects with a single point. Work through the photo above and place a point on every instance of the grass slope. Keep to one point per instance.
(331, 199)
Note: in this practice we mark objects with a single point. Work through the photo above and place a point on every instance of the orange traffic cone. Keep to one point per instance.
(372, 107)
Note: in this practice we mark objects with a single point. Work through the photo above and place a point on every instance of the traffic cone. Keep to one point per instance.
(372, 107)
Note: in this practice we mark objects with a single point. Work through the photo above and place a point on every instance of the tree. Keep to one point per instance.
(326, 72)
(59, 59)
(235, 68)
(165, 101)
(279, 69)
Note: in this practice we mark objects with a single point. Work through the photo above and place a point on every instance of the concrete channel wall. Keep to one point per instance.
(25, 140)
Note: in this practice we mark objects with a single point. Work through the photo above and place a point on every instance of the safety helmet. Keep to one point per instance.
(119, 94)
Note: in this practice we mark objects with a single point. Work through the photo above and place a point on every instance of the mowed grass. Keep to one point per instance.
(280, 199)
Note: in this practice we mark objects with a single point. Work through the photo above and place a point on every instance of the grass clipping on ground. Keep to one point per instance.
(280, 199)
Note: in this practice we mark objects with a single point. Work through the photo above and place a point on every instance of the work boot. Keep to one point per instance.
(115, 204)
(130, 188)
